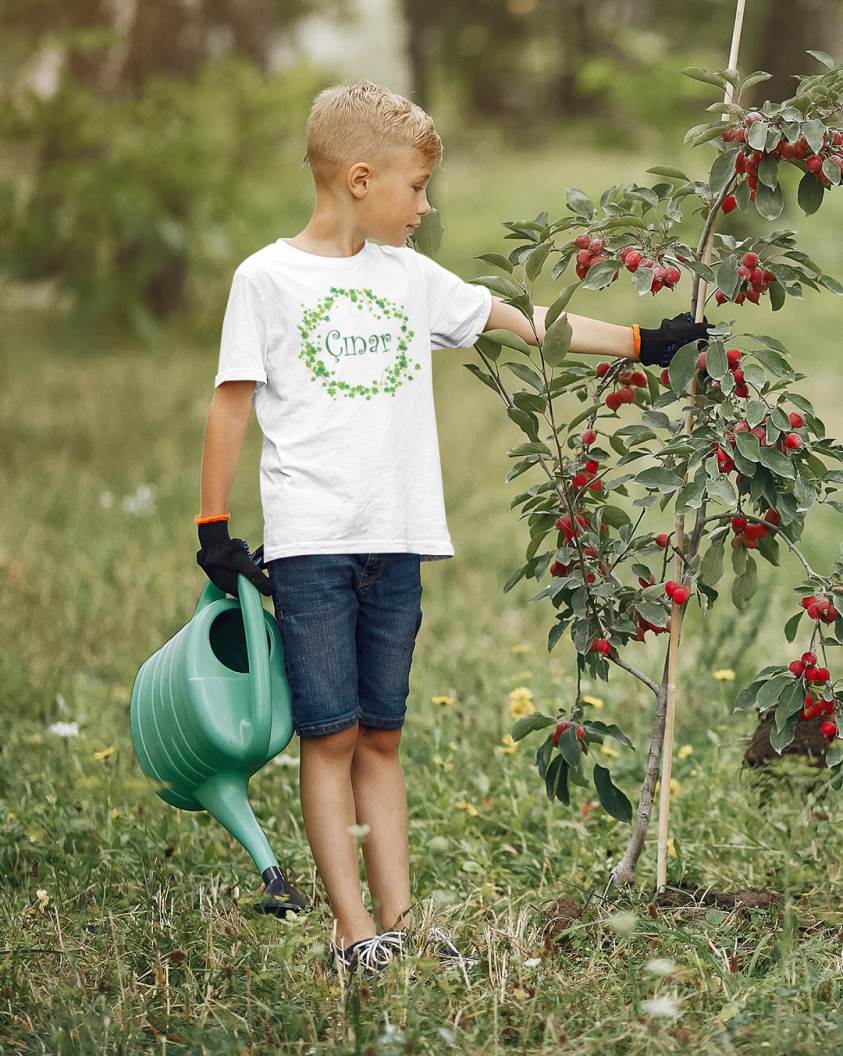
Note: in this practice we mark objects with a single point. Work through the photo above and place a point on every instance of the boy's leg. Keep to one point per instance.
(388, 621)
(381, 802)
(328, 810)
(316, 607)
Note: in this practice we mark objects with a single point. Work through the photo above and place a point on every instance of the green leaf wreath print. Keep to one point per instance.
(318, 346)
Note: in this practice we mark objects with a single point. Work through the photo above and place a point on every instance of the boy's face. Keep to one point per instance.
(395, 199)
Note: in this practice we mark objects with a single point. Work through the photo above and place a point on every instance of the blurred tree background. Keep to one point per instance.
(150, 146)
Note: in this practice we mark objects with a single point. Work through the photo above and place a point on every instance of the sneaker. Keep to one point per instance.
(370, 956)
(441, 942)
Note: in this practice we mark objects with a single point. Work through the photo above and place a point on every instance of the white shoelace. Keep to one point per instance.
(378, 951)
(451, 955)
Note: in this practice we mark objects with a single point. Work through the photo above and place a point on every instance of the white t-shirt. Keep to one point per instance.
(341, 350)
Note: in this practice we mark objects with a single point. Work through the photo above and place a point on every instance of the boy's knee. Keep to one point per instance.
(384, 742)
(339, 745)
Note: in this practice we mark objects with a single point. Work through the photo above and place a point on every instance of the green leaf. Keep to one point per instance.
(536, 259)
(831, 284)
(556, 780)
(579, 202)
(662, 479)
(703, 270)
(749, 446)
(529, 401)
(490, 349)
(508, 338)
(500, 284)
(569, 747)
(722, 170)
(768, 172)
(487, 379)
(792, 625)
(814, 132)
(529, 375)
(428, 235)
(706, 76)
(525, 420)
(671, 173)
(535, 447)
(746, 698)
(514, 578)
(770, 692)
(716, 363)
(756, 137)
(755, 78)
(543, 756)
(682, 367)
(791, 701)
(711, 568)
(823, 57)
(727, 276)
(530, 723)
(777, 462)
(600, 276)
(768, 202)
(497, 259)
(559, 304)
(608, 729)
(809, 194)
(612, 798)
(557, 341)
(781, 738)
(745, 585)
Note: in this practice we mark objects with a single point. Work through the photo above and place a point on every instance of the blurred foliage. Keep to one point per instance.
(130, 204)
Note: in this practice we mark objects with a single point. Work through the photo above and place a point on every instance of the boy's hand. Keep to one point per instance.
(222, 558)
(658, 347)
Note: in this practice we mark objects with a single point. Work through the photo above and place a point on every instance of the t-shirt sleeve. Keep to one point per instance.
(457, 309)
(243, 345)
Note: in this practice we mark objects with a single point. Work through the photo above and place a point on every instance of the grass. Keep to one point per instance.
(142, 938)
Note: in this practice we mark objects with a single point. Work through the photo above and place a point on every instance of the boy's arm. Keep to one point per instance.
(225, 430)
(590, 336)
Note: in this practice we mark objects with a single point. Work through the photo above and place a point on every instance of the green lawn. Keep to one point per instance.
(125, 925)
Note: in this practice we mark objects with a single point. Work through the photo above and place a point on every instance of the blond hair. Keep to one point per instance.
(363, 121)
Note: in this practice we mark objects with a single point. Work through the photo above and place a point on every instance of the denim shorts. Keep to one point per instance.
(349, 624)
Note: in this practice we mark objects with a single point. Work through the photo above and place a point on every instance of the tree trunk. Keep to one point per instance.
(785, 35)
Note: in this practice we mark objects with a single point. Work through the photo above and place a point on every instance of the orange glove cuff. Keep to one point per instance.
(212, 518)
(636, 342)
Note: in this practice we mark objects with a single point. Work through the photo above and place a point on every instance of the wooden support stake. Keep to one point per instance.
(679, 536)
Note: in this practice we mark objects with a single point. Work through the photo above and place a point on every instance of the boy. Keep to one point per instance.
(329, 336)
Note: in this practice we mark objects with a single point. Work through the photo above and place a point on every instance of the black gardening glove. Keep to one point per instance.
(221, 558)
(658, 347)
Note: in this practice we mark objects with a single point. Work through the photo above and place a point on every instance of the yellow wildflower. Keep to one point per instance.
(595, 702)
(607, 749)
(675, 787)
(443, 700)
(521, 702)
(507, 745)
(469, 808)
(725, 674)
(685, 751)
(106, 753)
(522, 648)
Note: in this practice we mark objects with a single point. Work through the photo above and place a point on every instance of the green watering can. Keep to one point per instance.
(208, 710)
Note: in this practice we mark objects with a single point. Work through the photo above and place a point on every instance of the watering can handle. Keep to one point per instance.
(254, 624)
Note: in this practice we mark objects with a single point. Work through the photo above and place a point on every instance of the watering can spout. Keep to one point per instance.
(226, 797)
